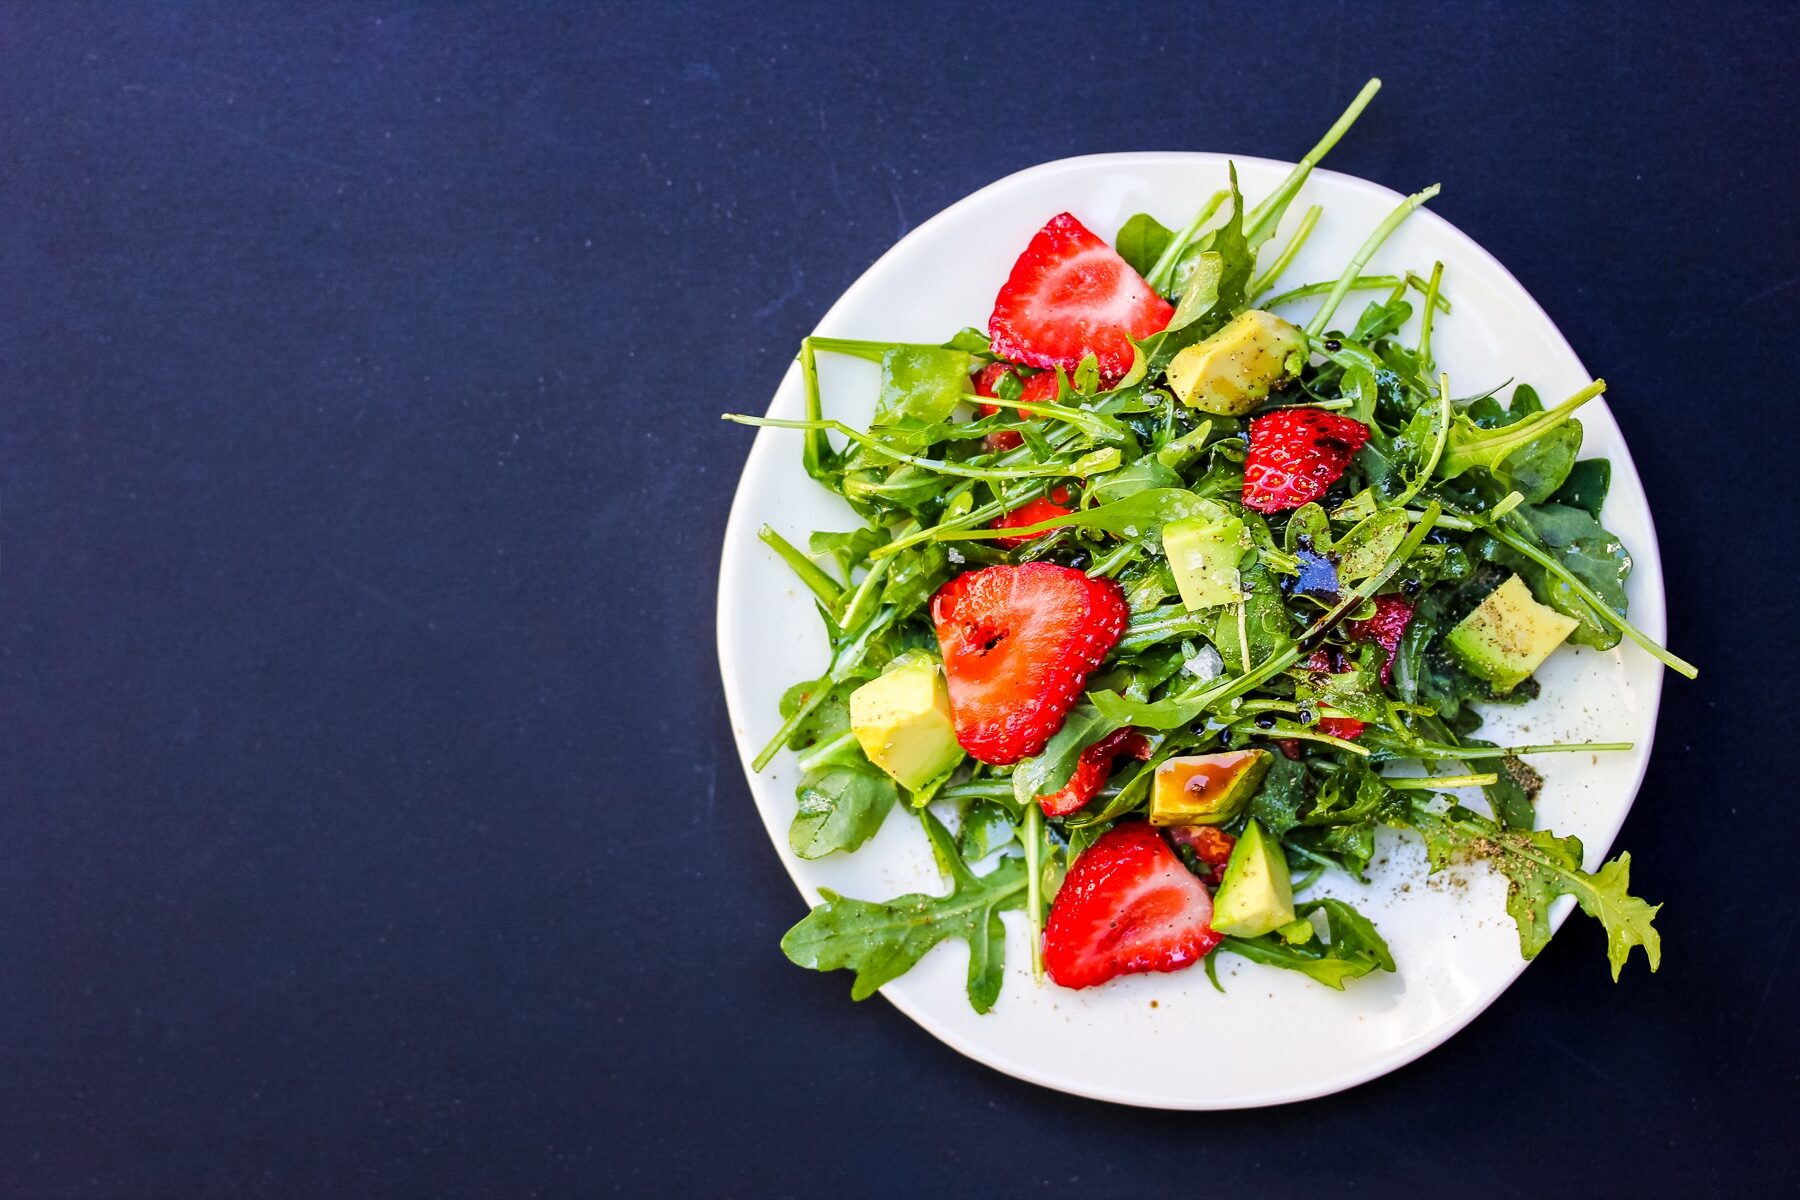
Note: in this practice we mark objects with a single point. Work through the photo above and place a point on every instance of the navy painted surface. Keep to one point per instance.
(368, 821)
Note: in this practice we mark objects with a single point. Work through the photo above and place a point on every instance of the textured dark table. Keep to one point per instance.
(368, 819)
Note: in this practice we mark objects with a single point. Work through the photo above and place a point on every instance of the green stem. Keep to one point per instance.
(1118, 557)
(1431, 293)
(1601, 609)
(1414, 539)
(1033, 837)
(1362, 283)
(857, 610)
(827, 589)
(934, 465)
(1430, 751)
(1433, 782)
(824, 751)
(1270, 210)
(858, 348)
(1382, 231)
(1162, 271)
(1286, 257)
(815, 450)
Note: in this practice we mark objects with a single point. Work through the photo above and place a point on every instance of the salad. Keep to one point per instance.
(1162, 604)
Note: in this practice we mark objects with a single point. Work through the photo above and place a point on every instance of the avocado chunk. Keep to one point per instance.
(1234, 370)
(1205, 789)
(902, 720)
(1256, 896)
(1203, 553)
(1508, 636)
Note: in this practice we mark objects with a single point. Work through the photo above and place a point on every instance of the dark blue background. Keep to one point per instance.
(368, 818)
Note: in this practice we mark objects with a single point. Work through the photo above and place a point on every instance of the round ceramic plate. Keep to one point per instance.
(1133, 1041)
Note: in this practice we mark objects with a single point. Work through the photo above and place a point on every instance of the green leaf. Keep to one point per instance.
(1141, 241)
(1051, 767)
(882, 941)
(921, 385)
(1256, 630)
(1355, 947)
(1539, 468)
(1282, 796)
(1539, 867)
(841, 807)
(1586, 486)
(1370, 543)
(987, 825)
(1471, 446)
(1142, 514)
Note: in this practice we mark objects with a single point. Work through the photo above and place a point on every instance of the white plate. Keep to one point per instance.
(1159, 1040)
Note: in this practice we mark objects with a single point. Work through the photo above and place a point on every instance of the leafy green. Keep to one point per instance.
(1588, 552)
(1051, 767)
(1353, 949)
(1586, 486)
(841, 807)
(1141, 241)
(882, 941)
(1539, 867)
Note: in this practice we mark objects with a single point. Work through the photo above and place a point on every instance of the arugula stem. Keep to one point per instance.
(1443, 433)
(1675, 663)
(1382, 231)
(849, 651)
(1033, 837)
(1270, 209)
(1431, 292)
(937, 466)
(1362, 283)
(827, 589)
(1291, 729)
(975, 516)
(815, 450)
(1120, 555)
(863, 599)
(1429, 751)
(858, 348)
(825, 751)
(1286, 257)
(1163, 270)
(1429, 783)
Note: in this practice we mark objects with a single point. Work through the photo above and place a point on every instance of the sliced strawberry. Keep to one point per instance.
(1296, 454)
(1018, 643)
(1392, 615)
(1091, 770)
(1127, 906)
(1210, 846)
(1028, 513)
(1071, 295)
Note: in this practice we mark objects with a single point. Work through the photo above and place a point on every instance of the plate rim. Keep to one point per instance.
(1647, 568)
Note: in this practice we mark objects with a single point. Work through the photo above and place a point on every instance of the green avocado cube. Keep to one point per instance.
(1203, 553)
(902, 721)
(1508, 636)
(1256, 896)
(1234, 370)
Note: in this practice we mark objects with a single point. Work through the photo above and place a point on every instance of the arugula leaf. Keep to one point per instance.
(1282, 796)
(841, 807)
(1539, 867)
(987, 825)
(882, 941)
(1355, 947)
(1370, 543)
(1141, 241)
(1142, 514)
(1586, 486)
(1472, 446)
(1051, 767)
(1256, 630)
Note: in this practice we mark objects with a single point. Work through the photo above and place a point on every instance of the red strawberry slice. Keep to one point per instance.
(1127, 906)
(1296, 454)
(1018, 643)
(1044, 508)
(1071, 295)
(1091, 770)
(1210, 846)
(1392, 615)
